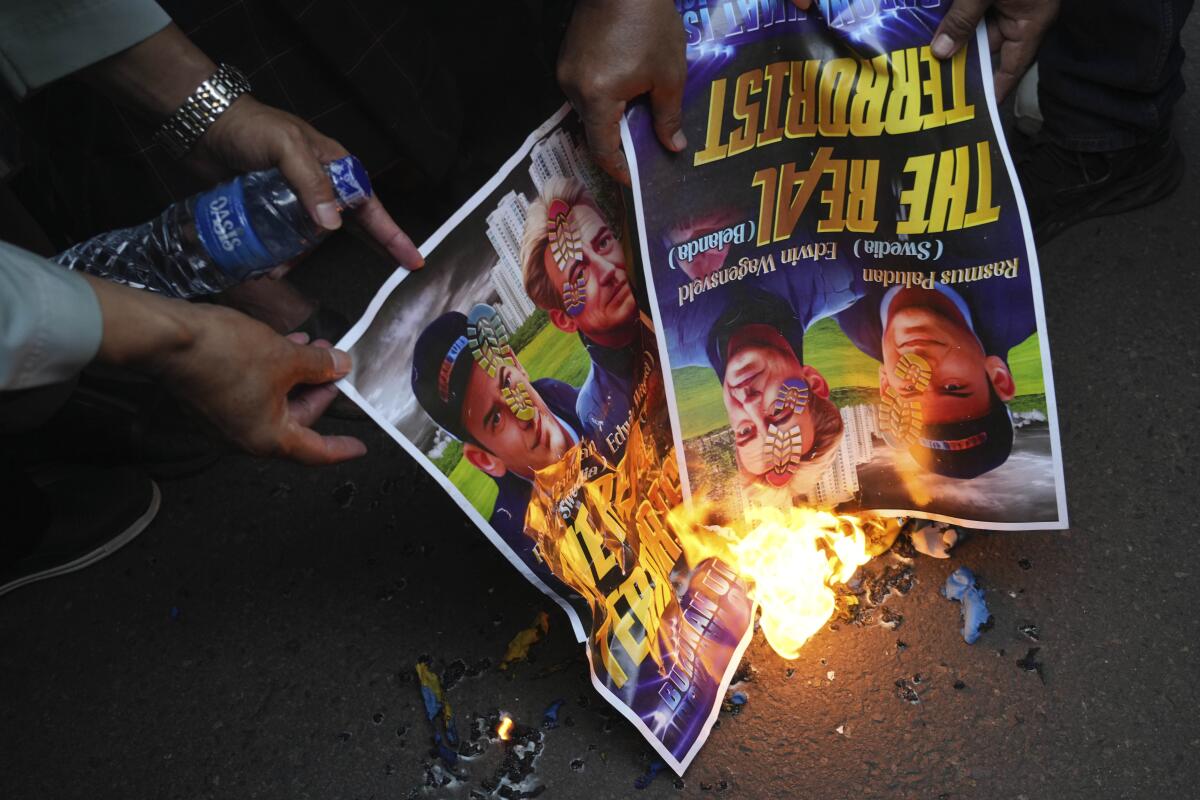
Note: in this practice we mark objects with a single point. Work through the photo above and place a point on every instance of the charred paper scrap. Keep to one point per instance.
(1029, 663)
(962, 586)
(644, 780)
(550, 715)
(935, 539)
(439, 713)
(881, 533)
(518, 648)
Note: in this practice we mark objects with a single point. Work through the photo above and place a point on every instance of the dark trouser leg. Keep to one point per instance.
(1109, 72)
(27, 508)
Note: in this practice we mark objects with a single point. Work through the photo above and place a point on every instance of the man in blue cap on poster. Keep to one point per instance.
(944, 379)
(468, 380)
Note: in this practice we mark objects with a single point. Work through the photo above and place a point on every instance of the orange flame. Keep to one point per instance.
(791, 558)
(504, 730)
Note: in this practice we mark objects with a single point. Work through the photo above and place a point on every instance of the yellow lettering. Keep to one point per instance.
(804, 183)
(950, 186)
(776, 76)
(984, 211)
(746, 110)
(916, 197)
(904, 103)
(837, 80)
(937, 199)
(599, 558)
(834, 198)
(713, 150)
(766, 180)
(860, 210)
(931, 87)
(802, 90)
(960, 110)
(870, 98)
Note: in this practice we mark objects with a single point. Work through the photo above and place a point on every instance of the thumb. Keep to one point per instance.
(316, 365)
(958, 26)
(304, 172)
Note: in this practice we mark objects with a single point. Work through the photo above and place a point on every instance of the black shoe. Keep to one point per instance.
(93, 513)
(1063, 187)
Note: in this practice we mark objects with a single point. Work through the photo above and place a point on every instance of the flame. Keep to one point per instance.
(791, 558)
(504, 730)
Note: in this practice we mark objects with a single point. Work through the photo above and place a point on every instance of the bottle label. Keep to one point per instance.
(350, 181)
(224, 228)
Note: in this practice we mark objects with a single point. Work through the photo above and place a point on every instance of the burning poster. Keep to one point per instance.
(522, 372)
(842, 273)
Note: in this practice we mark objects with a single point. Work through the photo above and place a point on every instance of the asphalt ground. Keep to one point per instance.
(259, 639)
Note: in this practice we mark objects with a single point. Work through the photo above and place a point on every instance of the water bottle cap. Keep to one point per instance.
(350, 181)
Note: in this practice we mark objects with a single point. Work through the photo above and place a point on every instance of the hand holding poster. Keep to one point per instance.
(843, 312)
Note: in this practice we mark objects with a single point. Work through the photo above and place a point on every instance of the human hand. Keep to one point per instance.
(261, 390)
(1014, 27)
(156, 75)
(614, 51)
(251, 135)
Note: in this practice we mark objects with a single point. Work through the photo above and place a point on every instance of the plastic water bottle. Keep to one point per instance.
(219, 238)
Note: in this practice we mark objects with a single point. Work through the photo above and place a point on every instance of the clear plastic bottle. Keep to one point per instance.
(219, 238)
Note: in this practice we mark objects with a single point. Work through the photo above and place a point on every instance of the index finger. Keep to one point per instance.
(306, 446)
(378, 223)
(602, 124)
(1015, 58)
(372, 216)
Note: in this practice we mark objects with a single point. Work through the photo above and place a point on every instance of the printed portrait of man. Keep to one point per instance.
(751, 332)
(574, 269)
(786, 430)
(944, 379)
(469, 381)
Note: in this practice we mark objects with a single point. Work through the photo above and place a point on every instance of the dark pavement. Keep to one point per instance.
(303, 605)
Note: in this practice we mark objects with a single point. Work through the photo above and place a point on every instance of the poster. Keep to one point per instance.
(520, 370)
(842, 271)
(829, 300)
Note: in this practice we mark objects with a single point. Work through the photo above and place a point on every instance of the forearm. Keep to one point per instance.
(155, 76)
(141, 331)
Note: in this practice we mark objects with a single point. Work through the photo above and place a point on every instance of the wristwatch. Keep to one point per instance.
(200, 110)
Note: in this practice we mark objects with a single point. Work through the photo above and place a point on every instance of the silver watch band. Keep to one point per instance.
(200, 110)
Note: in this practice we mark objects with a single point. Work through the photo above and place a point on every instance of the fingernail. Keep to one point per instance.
(943, 46)
(678, 141)
(328, 216)
(397, 249)
(341, 362)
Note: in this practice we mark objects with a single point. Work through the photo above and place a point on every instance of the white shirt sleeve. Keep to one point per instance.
(50, 323)
(44, 40)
